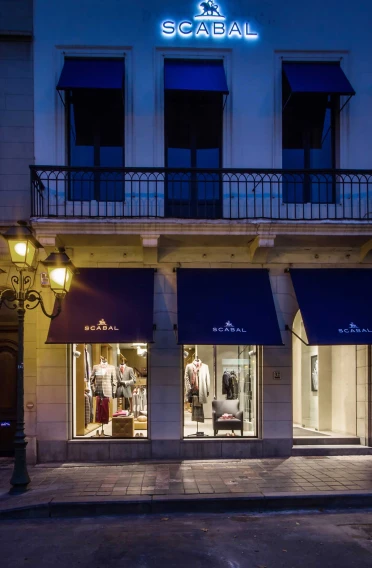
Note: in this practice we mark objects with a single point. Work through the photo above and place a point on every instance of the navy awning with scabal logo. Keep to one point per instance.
(107, 305)
(226, 307)
(335, 304)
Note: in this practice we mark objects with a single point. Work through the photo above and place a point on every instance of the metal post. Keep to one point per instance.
(20, 478)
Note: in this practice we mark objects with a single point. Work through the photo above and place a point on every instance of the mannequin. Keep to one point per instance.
(197, 385)
(103, 380)
(125, 380)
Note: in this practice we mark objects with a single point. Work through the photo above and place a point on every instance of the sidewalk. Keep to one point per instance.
(148, 487)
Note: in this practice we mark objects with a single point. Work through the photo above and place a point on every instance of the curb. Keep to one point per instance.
(160, 504)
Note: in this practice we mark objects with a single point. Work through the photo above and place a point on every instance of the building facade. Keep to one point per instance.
(16, 154)
(207, 168)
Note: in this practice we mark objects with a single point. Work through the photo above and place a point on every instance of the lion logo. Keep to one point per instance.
(209, 9)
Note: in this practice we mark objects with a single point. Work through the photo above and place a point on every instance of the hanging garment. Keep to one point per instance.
(104, 380)
(234, 386)
(136, 402)
(102, 410)
(87, 365)
(225, 382)
(87, 413)
(144, 400)
(197, 410)
(125, 380)
(230, 385)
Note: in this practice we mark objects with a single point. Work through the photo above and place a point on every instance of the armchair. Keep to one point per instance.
(220, 407)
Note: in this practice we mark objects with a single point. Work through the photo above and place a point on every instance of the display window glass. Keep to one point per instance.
(220, 391)
(110, 390)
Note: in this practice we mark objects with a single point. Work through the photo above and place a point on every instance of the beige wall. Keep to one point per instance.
(325, 388)
(344, 389)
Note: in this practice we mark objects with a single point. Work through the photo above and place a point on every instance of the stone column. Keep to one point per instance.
(165, 371)
(276, 405)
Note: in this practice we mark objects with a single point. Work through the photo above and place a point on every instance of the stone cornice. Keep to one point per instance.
(43, 226)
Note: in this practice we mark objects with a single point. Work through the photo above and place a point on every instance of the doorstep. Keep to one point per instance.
(331, 450)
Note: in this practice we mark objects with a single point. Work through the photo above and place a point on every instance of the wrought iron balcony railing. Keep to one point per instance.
(311, 195)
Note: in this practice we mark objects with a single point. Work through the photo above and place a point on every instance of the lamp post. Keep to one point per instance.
(21, 297)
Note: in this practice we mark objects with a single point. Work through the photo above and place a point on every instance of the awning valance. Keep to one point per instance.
(226, 307)
(91, 74)
(107, 305)
(335, 304)
(195, 75)
(317, 77)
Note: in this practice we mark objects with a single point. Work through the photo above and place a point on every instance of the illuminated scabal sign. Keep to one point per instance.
(101, 326)
(354, 328)
(210, 22)
(229, 328)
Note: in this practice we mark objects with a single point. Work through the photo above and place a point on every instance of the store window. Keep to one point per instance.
(110, 390)
(220, 391)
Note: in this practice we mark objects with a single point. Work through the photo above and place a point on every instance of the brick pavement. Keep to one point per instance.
(222, 478)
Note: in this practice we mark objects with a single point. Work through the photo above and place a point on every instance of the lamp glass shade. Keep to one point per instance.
(60, 279)
(22, 252)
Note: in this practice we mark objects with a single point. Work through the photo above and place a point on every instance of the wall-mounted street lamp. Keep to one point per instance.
(23, 248)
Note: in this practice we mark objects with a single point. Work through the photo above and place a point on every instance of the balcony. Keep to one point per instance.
(228, 194)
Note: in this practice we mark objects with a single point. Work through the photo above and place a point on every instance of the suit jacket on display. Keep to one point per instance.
(125, 379)
(104, 380)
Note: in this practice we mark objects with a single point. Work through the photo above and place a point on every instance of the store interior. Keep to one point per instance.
(110, 390)
(220, 387)
(324, 388)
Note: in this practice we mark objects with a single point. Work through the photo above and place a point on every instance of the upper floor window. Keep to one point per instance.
(194, 92)
(310, 129)
(94, 100)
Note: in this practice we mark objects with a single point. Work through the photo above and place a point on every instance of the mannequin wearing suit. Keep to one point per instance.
(125, 380)
(103, 380)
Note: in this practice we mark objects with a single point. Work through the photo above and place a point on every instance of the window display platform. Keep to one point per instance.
(139, 432)
(191, 427)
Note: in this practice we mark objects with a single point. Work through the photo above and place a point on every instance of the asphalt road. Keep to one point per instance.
(302, 540)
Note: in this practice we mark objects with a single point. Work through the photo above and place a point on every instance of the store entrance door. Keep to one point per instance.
(324, 391)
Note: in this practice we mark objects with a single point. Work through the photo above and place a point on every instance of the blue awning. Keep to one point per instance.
(107, 305)
(335, 304)
(195, 75)
(326, 78)
(226, 307)
(91, 74)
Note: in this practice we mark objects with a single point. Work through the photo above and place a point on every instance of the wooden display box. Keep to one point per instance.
(122, 427)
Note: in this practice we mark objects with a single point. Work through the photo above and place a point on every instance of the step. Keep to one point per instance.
(325, 441)
(331, 450)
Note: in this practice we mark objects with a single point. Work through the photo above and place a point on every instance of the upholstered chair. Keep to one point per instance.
(220, 407)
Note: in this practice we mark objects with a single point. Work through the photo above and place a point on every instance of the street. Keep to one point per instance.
(229, 540)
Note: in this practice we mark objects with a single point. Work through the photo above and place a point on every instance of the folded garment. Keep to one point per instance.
(121, 413)
(227, 416)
